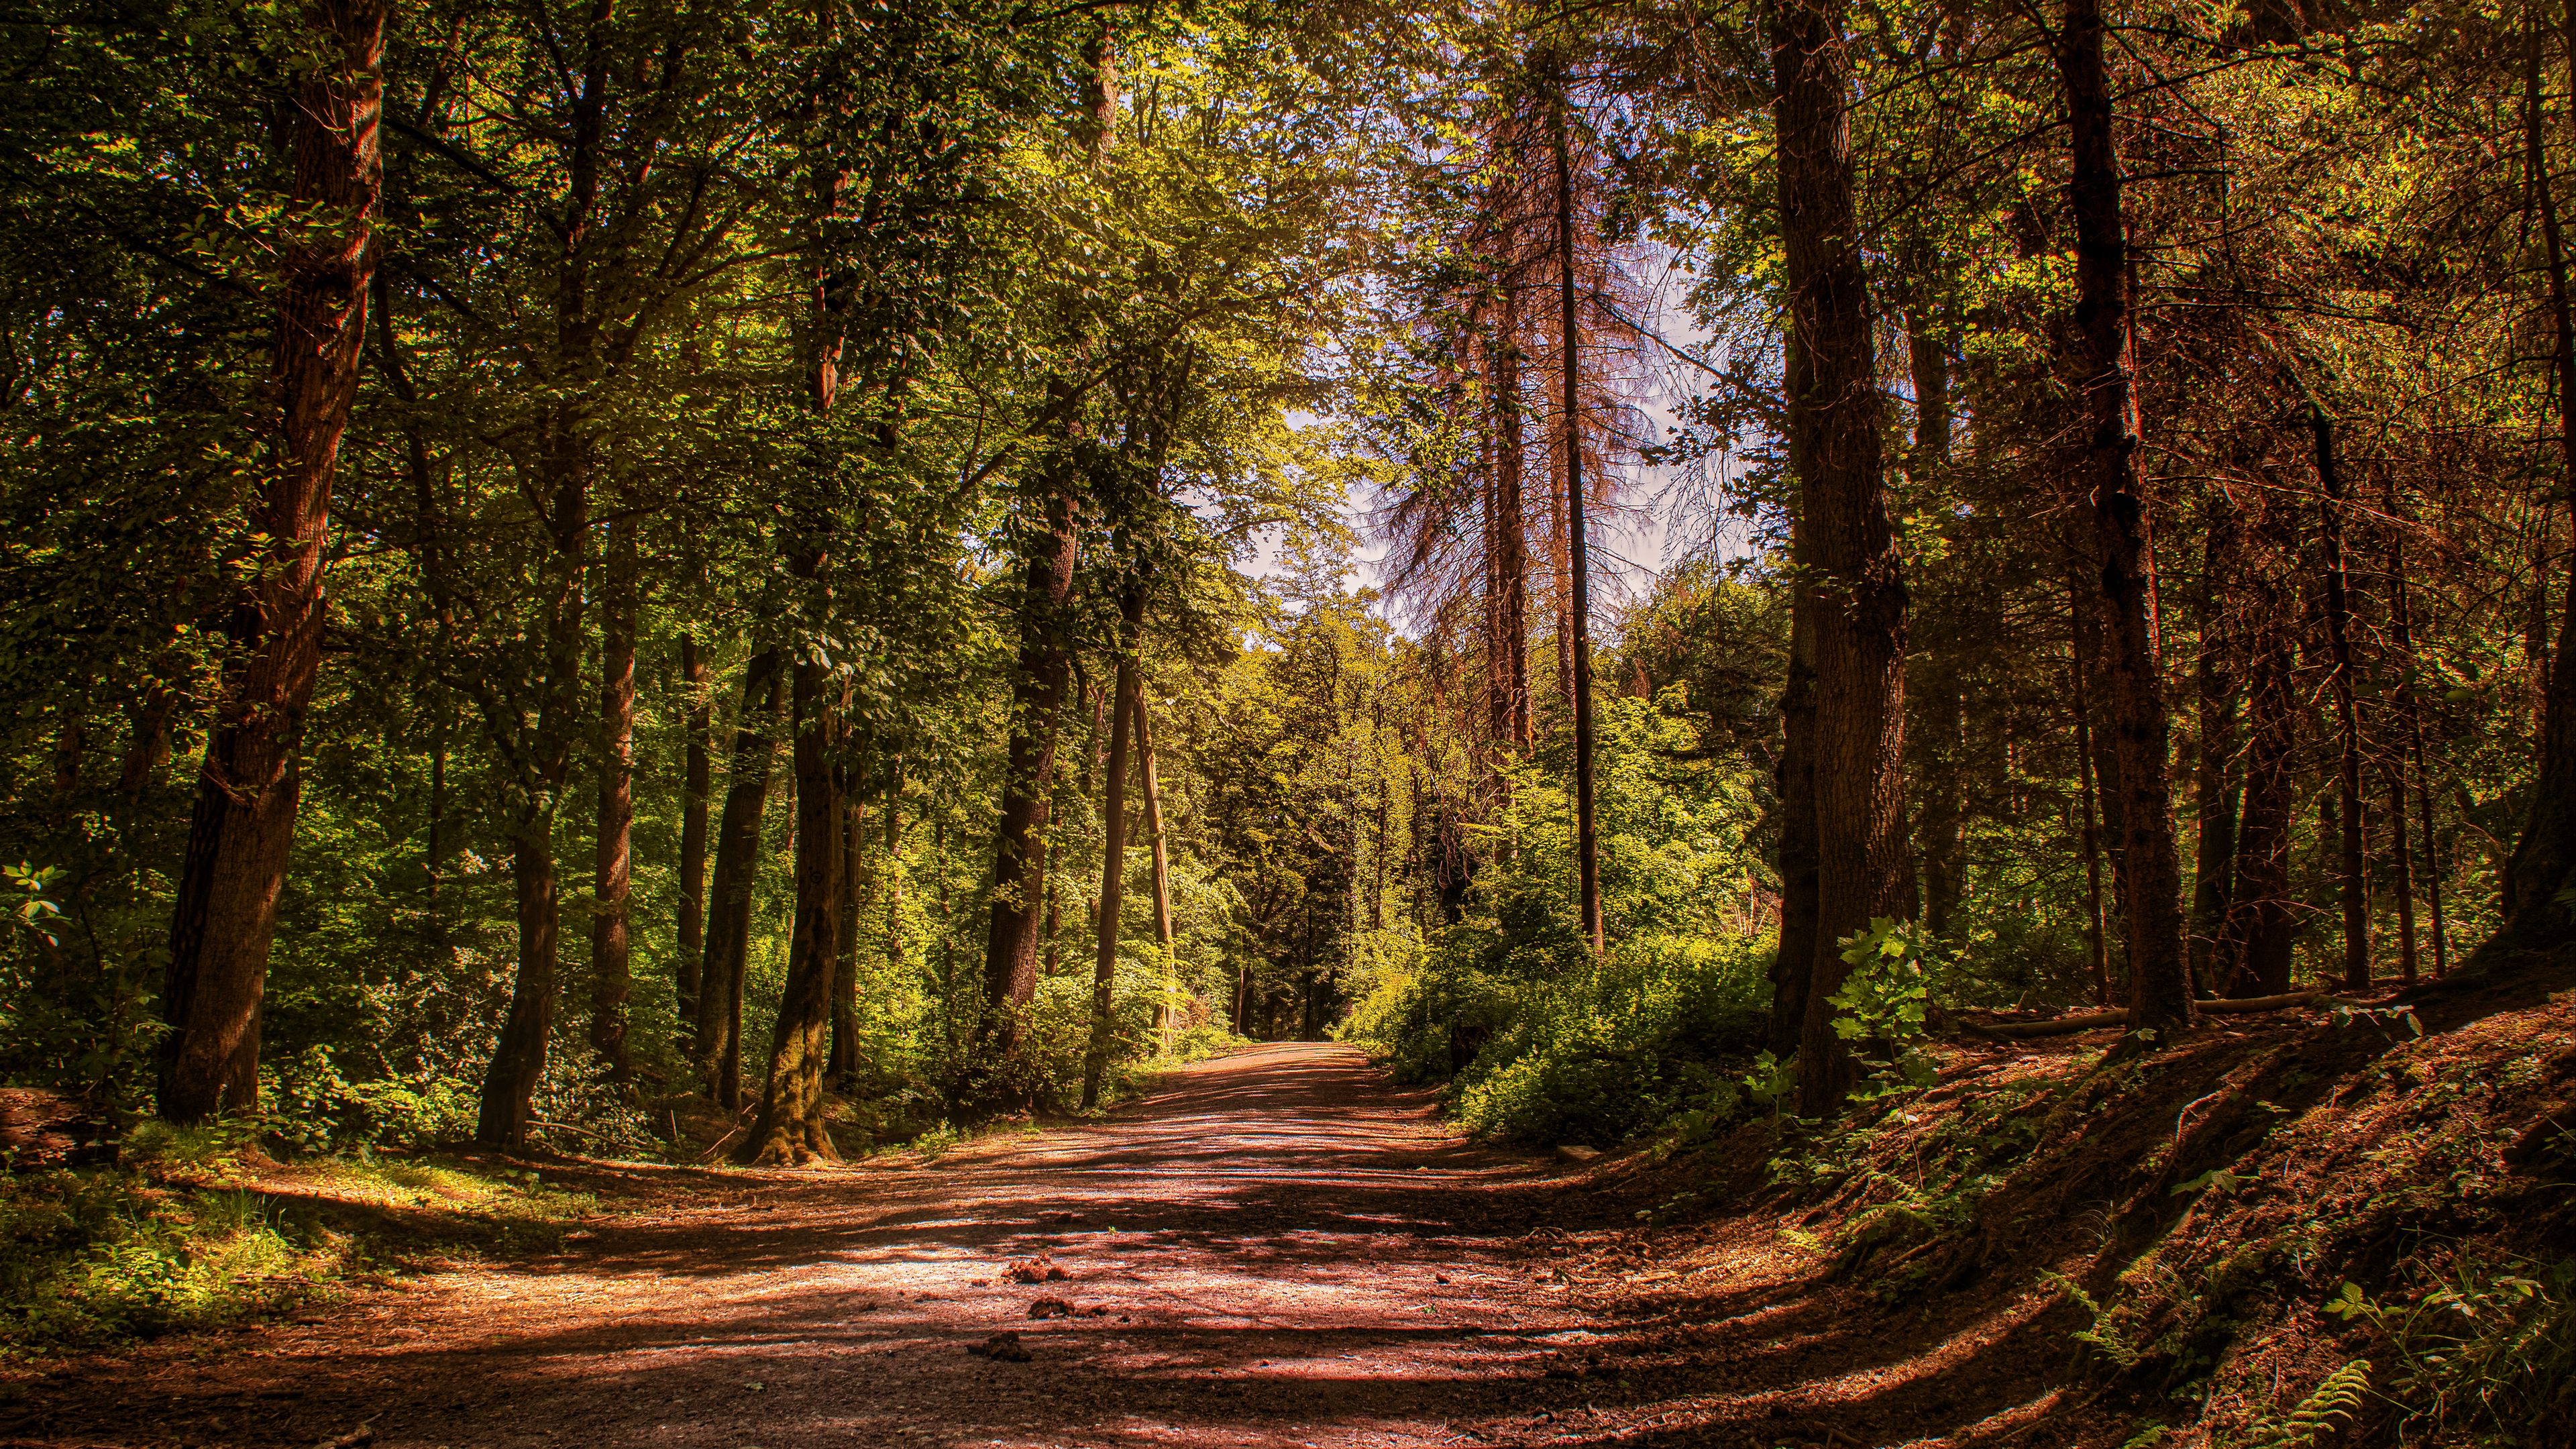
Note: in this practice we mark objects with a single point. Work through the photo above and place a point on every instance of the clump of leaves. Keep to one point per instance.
(2487, 1348)
(1882, 1004)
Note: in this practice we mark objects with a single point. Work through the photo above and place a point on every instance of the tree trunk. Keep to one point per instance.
(1510, 536)
(1578, 566)
(2097, 936)
(566, 459)
(2101, 347)
(2256, 947)
(1152, 787)
(845, 971)
(519, 1057)
(2102, 758)
(790, 1127)
(2401, 609)
(737, 875)
(1113, 852)
(2544, 857)
(1037, 697)
(895, 944)
(1939, 709)
(613, 860)
(693, 836)
(244, 822)
(2354, 868)
(2213, 787)
(1793, 962)
(1850, 545)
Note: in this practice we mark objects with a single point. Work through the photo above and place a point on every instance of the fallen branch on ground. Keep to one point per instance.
(2092, 1020)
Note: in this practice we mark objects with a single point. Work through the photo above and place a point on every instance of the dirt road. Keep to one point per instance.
(1277, 1248)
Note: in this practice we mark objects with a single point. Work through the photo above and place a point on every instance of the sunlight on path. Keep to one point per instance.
(1277, 1248)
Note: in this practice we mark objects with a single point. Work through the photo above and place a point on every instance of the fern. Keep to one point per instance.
(2328, 1407)
(2105, 1333)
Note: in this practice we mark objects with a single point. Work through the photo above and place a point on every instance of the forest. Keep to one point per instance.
(1868, 618)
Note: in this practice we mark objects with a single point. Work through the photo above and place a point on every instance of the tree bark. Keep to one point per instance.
(790, 1127)
(613, 858)
(2097, 936)
(1793, 961)
(2543, 862)
(693, 835)
(2213, 785)
(243, 826)
(1152, 787)
(1037, 698)
(566, 459)
(1113, 852)
(1858, 590)
(519, 1058)
(2401, 610)
(1578, 565)
(2354, 858)
(2256, 947)
(853, 906)
(1938, 707)
(2101, 346)
(2101, 753)
(1511, 539)
(737, 875)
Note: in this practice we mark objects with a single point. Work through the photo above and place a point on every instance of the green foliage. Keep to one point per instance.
(2107, 1333)
(2334, 1402)
(1612, 1049)
(91, 1258)
(2484, 1349)
(1881, 1005)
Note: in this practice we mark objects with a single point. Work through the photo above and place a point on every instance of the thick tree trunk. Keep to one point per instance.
(2213, 785)
(694, 788)
(519, 1057)
(1793, 962)
(244, 823)
(790, 1126)
(613, 859)
(1849, 544)
(2101, 343)
(1113, 852)
(737, 874)
(1578, 563)
(2353, 862)
(1037, 697)
(2256, 947)
(2544, 857)
(2097, 936)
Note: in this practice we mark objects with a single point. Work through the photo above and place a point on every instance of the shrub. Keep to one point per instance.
(1612, 1048)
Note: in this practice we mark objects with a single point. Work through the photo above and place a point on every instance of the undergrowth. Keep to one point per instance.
(194, 1231)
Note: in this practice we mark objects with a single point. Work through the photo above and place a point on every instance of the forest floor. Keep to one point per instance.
(1277, 1247)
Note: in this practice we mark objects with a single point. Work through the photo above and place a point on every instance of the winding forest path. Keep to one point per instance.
(1277, 1248)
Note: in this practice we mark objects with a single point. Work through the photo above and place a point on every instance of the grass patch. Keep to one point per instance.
(194, 1230)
